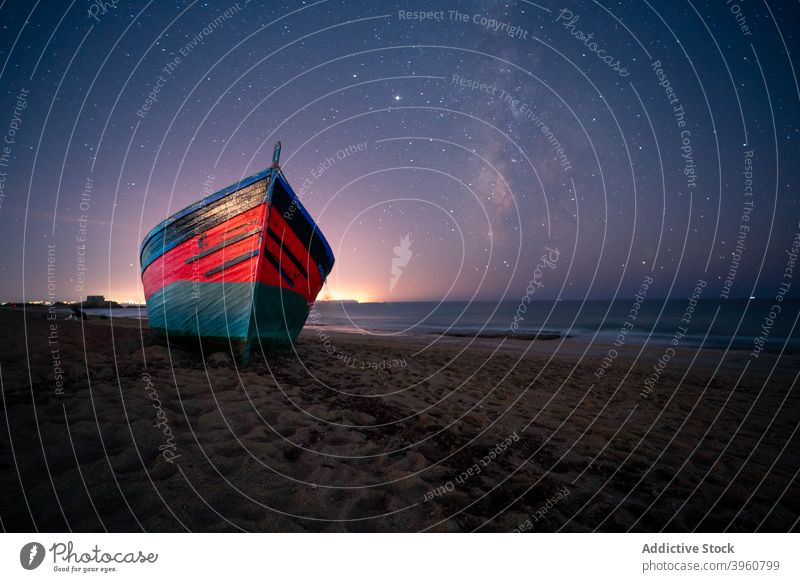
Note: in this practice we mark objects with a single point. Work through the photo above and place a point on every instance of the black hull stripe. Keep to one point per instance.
(274, 236)
(275, 263)
(227, 242)
(231, 263)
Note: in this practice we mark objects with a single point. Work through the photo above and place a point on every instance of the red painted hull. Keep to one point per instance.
(177, 264)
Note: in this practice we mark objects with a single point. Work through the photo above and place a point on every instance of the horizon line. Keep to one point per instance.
(4, 302)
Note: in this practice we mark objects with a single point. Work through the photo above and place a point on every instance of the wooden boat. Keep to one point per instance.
(239, 267)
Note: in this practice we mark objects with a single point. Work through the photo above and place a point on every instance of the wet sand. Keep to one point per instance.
(106, 429)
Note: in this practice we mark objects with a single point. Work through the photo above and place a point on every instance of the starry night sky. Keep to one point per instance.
(485, 146)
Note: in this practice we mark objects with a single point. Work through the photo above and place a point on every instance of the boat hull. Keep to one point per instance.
(240, 268)
(226, 316)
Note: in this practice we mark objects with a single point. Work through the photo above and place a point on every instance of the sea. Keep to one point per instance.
(716, 323)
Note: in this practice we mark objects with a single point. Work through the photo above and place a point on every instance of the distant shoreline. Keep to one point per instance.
(377, 324)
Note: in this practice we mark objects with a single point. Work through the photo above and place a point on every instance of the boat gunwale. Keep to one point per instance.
(219, 194)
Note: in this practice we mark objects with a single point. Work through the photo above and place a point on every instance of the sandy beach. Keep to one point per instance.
(106, 429)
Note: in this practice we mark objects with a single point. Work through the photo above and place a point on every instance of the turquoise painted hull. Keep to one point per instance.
(227, 316)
